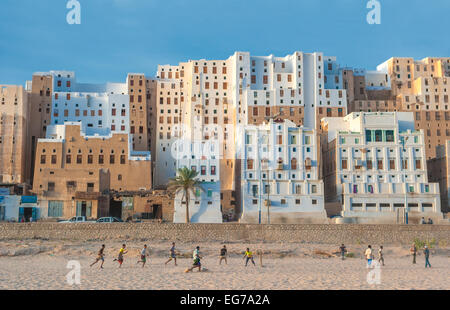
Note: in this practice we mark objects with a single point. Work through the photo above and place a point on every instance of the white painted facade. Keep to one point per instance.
(307, 80)
(279, 175)
(101, 108)
(168, 118)
(375, 173)
(377, 80)
(204, 205)
(216, 96)
(12, 207)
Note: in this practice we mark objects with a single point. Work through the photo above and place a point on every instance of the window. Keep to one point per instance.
(122, 159)
(344, 164)
(249, 164)
(389, 136)
(42, 159)
(378, 135)
(53, 159)
(101, 159)
(203, 170)
(369, 164)
(294, 164)
(307, 140)
(51, 186)
(71, 185)
(368, 135)
(313, 189)
(279, 139)
(380, 164)
(68, 159)
(392, 164)
(213, 170)
(111, 159)
(418, 164)
(404, 164)
(90, 187)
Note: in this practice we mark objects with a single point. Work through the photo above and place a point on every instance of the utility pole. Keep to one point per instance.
(404, 175)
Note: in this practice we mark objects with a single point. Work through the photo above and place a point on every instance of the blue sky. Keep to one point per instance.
(120, 36)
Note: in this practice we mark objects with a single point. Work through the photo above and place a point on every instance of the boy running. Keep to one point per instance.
(368, 255)
(413, 251)
(100, 257)
(426, 252)
(249, 255)
(197, 264)
(343, 250)
(173, 254)
(122, 252)
(143, 256)
(381, 255)
(223, 255)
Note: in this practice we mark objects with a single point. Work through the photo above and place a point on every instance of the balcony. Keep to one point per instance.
(88, 195)
(308, 164)
(280, 165)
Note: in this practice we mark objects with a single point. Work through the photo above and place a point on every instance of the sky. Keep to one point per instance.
(116, 37)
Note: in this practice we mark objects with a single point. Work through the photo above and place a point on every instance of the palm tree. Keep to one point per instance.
(186, 182)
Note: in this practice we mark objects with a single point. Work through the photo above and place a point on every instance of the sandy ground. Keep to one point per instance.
(43, 265)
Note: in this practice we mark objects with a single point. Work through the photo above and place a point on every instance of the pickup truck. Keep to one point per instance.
(76, 219)
(109, 220)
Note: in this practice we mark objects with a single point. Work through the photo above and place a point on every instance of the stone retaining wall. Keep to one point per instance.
(308, 233)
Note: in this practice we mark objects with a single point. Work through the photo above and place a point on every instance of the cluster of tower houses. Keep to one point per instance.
(293, 139)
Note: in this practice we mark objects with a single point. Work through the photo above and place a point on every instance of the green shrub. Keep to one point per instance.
(421, 243)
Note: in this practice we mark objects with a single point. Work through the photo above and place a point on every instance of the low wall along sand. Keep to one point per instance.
(307, 233)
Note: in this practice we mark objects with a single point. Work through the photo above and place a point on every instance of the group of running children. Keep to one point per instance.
(248, 256)
(172, 256)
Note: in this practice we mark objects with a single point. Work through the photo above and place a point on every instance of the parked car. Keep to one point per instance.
(109, 220)
(76, 219)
